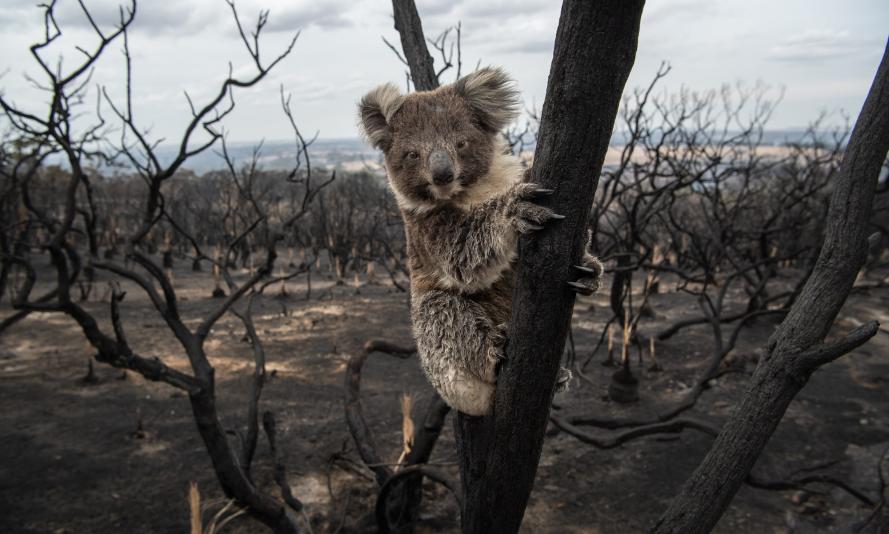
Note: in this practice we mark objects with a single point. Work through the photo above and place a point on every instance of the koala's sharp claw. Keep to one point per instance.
(557, 216)
(587, 270)
(544, 191)
(580, 288)
(534, 227)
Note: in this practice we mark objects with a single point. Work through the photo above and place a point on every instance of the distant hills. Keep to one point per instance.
(354, 155)
(348, 154)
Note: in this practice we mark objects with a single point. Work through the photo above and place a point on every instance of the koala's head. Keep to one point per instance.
(439, 144)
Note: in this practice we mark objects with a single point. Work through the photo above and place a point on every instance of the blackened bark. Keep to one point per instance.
(404, 501)
(228, 470)
(795, 351)
(594, 51)
(355, 420)
(413, 43)
(401, 502)
(382, 509)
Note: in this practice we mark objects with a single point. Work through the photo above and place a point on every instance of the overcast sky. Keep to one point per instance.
(823, 53)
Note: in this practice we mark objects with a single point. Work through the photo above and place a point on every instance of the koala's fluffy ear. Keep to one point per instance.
(376, 110)
(491, 95)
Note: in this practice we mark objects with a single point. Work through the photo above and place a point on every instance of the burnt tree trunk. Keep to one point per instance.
(413, 43)
(234, 481)
(594, 51)
(405, 500)
(796, 348)
(401, 503)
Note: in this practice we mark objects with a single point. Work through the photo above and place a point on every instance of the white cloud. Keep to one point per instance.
(668, 10)
(817, 45)
(151, 17)
(187, 45)
(301, 15)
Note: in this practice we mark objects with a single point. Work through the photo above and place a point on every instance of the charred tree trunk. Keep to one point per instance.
(400, 505)
(796, 348)
(594, 51)
(405, 499)
(17, 246)
(338, 269)
(410, 28)
(231, 476)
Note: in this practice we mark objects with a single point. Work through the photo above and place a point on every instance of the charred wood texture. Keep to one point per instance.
(400, 496)
(594, 51)
(413, 42)
(358, 427)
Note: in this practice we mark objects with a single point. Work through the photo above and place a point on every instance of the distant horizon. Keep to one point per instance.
(358, 139)
(351, 154)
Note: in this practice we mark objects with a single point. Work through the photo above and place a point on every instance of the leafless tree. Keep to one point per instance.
(797, 348)
(62, 128)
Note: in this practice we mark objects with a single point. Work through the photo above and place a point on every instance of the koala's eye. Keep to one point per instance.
(413, 155)
(461, 145)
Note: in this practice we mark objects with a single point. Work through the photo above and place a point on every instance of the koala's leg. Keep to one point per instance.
(459, 349)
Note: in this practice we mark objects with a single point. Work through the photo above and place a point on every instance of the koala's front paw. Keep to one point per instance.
(590, 271)
(525, 215)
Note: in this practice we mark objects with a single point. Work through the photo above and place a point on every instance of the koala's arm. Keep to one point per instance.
(472, 247)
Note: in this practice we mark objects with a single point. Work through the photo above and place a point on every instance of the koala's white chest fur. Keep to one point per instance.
(506, 170)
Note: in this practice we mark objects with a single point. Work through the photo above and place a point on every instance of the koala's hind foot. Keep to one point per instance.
(495, 349)
(590, 274)
(563, 380)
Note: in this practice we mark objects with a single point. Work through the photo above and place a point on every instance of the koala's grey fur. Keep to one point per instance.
(464, 204)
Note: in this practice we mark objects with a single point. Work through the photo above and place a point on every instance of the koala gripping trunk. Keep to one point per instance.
(594, 51)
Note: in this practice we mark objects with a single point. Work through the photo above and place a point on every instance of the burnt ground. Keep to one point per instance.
(118, 455)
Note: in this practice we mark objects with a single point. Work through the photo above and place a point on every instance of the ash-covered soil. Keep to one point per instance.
(117, 454)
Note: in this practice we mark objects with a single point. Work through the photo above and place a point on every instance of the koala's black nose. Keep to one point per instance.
(441, 167)
(444, 177)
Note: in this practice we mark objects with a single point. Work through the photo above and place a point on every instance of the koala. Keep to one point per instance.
(464, 203)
